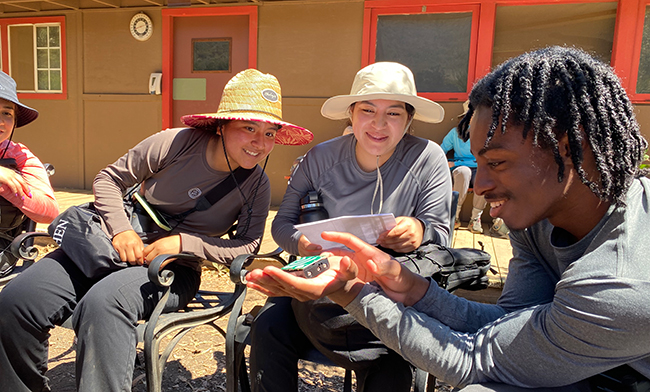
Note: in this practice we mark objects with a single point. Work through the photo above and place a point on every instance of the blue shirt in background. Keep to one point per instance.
(462, 154)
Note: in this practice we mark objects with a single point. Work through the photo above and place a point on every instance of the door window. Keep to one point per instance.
(211, 55)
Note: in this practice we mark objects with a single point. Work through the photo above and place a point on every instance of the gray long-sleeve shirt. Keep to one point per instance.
(174, 171)
(566, 312)
(416, 183)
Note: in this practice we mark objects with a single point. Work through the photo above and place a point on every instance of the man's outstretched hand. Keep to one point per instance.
(346, 276)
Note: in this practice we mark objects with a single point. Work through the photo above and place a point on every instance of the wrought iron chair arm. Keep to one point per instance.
(165, 277)
(22, 248)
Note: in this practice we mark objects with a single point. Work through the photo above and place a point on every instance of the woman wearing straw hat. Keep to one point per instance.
(25, 189)
(380, 168)
(174, 168)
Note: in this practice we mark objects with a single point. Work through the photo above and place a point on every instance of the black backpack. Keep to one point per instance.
(11, 224)
(451, 268)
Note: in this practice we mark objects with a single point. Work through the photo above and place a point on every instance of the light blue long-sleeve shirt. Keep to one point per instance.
(462, 154)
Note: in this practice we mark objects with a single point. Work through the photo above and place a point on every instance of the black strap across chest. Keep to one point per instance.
(226, 186)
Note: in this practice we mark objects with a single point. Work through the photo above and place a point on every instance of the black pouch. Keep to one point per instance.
(450, 268)
(11, 224)
(15, 220)
(79, 232)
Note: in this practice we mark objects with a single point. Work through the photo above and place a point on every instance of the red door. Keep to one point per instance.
(208, 47)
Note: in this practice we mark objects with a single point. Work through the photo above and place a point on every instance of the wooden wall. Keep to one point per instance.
(314, 49)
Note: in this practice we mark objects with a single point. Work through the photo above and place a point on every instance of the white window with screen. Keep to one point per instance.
(35, 57)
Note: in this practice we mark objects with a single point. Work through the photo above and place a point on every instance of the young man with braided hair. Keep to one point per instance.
(558, 150)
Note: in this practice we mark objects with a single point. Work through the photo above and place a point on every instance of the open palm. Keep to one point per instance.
(274, 282)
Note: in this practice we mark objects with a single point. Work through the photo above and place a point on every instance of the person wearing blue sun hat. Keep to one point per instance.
(25, 190)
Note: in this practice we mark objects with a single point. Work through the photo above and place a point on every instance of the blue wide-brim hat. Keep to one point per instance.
(24, 114)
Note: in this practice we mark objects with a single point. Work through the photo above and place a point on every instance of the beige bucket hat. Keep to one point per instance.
(24, 114)
(384, 80)
(253, 96)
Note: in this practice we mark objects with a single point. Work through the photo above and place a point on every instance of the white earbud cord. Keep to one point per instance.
(379, 185)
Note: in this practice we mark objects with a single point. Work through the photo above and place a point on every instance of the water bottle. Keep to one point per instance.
(311, 208)
(499, 228)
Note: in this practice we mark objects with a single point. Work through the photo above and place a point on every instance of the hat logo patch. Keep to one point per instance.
(270, 95)
(194, 193)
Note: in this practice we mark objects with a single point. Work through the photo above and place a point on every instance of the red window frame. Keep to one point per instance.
(626, 49)
(4, 29)
(631, 15)
(373, 9)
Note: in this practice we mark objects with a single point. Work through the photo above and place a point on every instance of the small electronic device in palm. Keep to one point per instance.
(308, 267)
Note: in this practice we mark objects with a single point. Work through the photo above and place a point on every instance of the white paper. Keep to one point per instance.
(366, 227)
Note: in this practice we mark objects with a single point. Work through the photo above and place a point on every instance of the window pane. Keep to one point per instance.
(41, 37)
(211, 55)
(41, 58)
(21, 49)
(434, 46)
(43, 80)
(55, 58)
(55, 80)
(519, 29)
(54, 36)
(643, 80)
(35, 53)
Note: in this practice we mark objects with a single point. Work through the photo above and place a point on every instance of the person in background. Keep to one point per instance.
(463, 172)
(174, 168)
(377, 168)
(559, 151)
(25, 190)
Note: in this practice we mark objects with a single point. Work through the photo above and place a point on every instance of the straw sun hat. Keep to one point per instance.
(384, 80)
(253, 96)
(24, 114)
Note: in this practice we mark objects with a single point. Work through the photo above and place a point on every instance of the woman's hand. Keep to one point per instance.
(163, 246)
(400, 284)
(307, 248)
(130, 247)
(338, 282)
(405, 237)
(14, 183)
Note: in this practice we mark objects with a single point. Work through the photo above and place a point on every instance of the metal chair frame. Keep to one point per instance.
(206, 308)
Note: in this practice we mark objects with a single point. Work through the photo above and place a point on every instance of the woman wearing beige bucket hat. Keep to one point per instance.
(175, 169)
(25, 189)
(379, 168)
